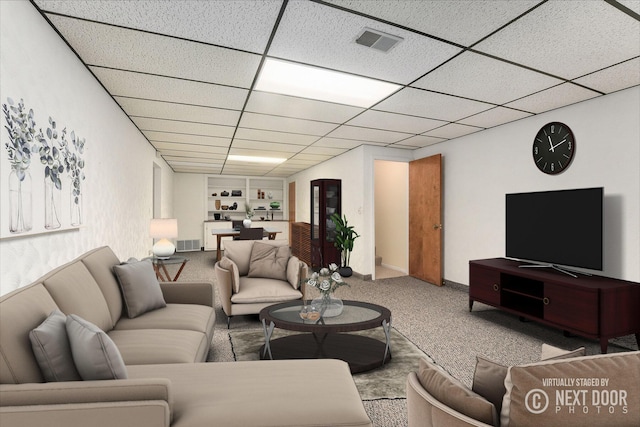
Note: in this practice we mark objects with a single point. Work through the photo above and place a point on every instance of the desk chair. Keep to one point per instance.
(236, 225)
(251, 233)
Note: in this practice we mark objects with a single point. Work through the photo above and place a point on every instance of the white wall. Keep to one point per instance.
(480, 168)
(392, 213)
(37, 66)
(189, 208)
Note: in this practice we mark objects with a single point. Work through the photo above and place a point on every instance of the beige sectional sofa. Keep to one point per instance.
(162, 350)
(566, 389)
(249, 280)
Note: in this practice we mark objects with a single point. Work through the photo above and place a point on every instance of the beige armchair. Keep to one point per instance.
(254, 274)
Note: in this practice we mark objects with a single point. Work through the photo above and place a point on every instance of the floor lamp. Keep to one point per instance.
(163, 229)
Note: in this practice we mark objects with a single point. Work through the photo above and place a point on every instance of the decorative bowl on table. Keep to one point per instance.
(275, 205)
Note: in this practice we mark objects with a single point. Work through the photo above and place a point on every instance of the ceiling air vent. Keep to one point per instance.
(377, 39)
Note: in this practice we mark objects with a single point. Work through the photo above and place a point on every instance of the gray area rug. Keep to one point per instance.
(386, 382)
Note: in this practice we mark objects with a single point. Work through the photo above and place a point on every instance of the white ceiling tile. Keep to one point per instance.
(568, 38)
(420, 141)
(394, 122)
(634, 5)
(266, 146)
(285, 124)
(242, 25)
(327, 151)
(181, 138)
(315, 34)
(494, 117)
(167, 110)
(134, 85)
(559, 96)
(452, 130)
(479, 77)
(289, 106)
(473, 19)
(367, 134)
(104, 45)
(431, 105)
(173, 126)
(614, 78)
(191, 157)
(189, 148)
(270, 136)
(346, 144)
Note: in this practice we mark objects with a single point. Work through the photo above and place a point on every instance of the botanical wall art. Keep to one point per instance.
(42, 174)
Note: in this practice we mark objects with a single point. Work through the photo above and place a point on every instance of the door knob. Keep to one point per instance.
(437, 226)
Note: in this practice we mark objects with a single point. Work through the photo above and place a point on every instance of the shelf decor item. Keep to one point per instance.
(327, 281)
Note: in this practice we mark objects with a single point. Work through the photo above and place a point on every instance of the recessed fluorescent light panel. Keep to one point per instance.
(255, 159)
(304, 81)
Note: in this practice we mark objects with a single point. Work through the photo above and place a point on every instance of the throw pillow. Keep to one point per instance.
(95, 355)
(549, 352)
(268, 261)
(448, 390)
(140, 287)
(293, 272)
(227, 264)
(488, 381)
(52, 350)
(594, 390)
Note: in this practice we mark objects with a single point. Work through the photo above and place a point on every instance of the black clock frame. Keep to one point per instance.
(553, 148)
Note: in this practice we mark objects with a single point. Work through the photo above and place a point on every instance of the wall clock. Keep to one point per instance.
(553, 148)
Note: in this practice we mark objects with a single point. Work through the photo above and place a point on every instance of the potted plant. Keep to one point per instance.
(344, 238)
(249, 214)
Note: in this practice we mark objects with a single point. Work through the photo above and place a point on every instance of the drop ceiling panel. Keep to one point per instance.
(167, 110)
(452, 130)
(187, 139)
(555, 97)
(266, 146)
(315, 34)
(420, 141)
(114, 47)
(172, 156)
(346, 144)
(188, 128)
(479, 77)
(134, 85)
(189, 148)
(242, 25)
(270, 136)
(394, 122)
(473, 19)
(257, 151)
(568, 38)
(326, 151)
(431, 105)
(494, 117)
(367, 134)
(614, 78)
(285, 124)
(301, 108)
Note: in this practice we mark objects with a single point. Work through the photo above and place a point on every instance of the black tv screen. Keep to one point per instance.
(562, 227)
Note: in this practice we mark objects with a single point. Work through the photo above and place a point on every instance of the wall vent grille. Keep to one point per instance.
(188, 245)
(377, 39)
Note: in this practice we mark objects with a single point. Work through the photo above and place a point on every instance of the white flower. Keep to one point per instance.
(315, 275)
(325, 285)
(336, 277)
(324, 271)
(312, 282)
(333, 266)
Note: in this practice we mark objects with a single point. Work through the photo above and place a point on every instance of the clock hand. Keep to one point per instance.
(559, 143)
(550, 144)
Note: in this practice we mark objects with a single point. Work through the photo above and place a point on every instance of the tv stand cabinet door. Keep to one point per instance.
(572, 307)
(484, 285)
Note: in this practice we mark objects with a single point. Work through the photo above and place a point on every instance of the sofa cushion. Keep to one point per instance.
(189, 317)
(293, 272)
(153, 346)
(227, 264)
(76, 291)
(448, 390)
(259, 290)
(95, 355)
(590, 390)
(549, 352)
(100, 262)
(140, 288)
(488, 381)
(269, 261)
(52, 350)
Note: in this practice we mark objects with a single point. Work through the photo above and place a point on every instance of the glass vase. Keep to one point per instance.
(76, 207)
(329, 305)
(20, 215)
(52, 197)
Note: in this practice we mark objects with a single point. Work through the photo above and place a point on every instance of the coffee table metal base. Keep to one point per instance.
(360, 352)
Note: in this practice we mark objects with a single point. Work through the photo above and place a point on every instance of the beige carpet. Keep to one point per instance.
(386, 382)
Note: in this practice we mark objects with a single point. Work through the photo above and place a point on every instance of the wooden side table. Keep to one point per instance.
(160, 267)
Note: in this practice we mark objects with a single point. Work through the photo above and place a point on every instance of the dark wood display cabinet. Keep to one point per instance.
(326, 199)
(590, 306)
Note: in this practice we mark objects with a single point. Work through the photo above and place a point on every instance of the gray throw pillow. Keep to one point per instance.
(268, 261)
(95, 355)
(52, 350)
(488, 381)
(140, 288)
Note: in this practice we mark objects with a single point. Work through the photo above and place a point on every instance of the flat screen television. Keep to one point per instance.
(563, 227)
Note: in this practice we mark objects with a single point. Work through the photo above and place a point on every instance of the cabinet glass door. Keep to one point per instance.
(315, 221)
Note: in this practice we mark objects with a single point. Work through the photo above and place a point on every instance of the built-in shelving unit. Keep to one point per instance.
(225, 191)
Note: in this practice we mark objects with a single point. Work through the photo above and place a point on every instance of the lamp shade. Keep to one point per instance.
(163, 229)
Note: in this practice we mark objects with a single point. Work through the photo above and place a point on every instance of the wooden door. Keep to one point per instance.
(291, 203)
(425, 219)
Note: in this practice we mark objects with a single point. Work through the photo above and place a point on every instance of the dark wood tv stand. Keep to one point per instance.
(590, 306)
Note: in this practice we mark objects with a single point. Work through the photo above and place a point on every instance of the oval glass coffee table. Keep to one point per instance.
(327, 338)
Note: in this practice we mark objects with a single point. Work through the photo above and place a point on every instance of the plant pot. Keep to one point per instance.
(246, 223)
(345, 271)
